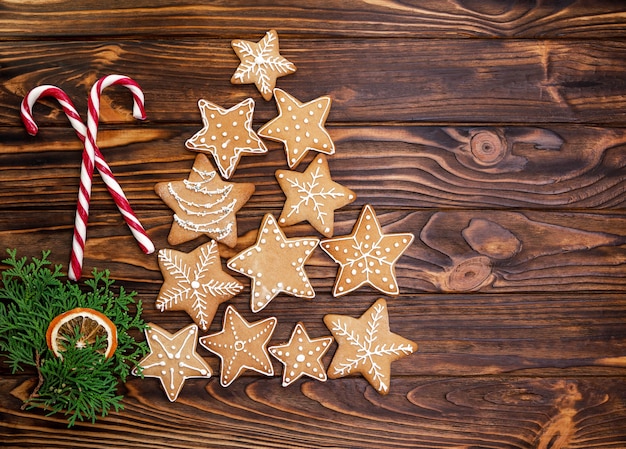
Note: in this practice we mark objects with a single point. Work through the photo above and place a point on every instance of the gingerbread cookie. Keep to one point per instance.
(367, 256)
(241, 345)
(194, 282)
(367, 346)
(312, 196)
(204, 204)
(261, 63)
(173, 358)
(227, 135)
(276, 264)
(302, 356)
(299, 126)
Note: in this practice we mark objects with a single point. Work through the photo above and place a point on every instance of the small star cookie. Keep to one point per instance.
(299, 126)
(276, 264)
(367, 256)
(227, 134)
(241, 345)
(367, 346)
(204, 204)
(173, 358)
(261, 63)
(302, 356)
(312, 196)
(194, 282)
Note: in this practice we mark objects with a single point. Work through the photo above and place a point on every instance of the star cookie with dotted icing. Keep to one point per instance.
(367, 256)
(241, 345)
(195, 282)
(173, 358)
(227, 134)
(275, 264)
(301, 356)
(312, 196)
(261, 63)
(204, 204)
(367, 346)
(299, 126)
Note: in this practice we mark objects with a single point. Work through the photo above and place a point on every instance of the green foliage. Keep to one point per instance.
(83, 383)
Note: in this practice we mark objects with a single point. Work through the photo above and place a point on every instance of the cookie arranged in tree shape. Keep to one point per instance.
(204, 204)
(227, 134)
(367, 256)
(367, 346)
(261, 63)
(195, 282)
(275, 264)
(299, 126)
(302, 356)
(173, 358)
(241, 345)
(312, 196)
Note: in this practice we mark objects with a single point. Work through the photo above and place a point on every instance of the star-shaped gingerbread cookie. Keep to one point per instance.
(367, 346)
(195, 282)
(275, 264)
(312, 196)
(367, 256)
(299, 126)
(227, 134)
(302, 356)
(173, 358)
(204, 204)
(261, 63)
(241, 345)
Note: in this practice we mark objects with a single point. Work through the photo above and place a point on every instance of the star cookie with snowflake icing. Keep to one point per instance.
(299, 126)
(367, 346)
(261, 63)
(312, 196)
(173, 358)
(275, 264)
(241, 345)
(366, 256)
(195, 282)
(227, 134)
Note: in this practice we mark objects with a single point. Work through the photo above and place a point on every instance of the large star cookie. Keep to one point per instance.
(299, 126)
(173, 358)
(227, 134)
(301, 356)
(204, 204)
(312, 196)
(194, 282)
(241, 345)
(367, 346)
(275, 264)
(367, 256)
(261, 63)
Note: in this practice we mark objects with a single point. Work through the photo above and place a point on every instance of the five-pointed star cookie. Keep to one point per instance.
(367, 346)
(241, 345)
(204, 204)
(302, 356)
(299, 126)
(312, 196)
(261, 63)
(227, 134)
(173, 358)
(275, 264)
(194, 282)
(367, 256)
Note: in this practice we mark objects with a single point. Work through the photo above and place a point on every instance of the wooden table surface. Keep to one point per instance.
(475, 125)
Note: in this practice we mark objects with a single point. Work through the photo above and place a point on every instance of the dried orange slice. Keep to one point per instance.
(84, 325)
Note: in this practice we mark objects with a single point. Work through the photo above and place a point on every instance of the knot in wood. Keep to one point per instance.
(488, 147)
(469, 274)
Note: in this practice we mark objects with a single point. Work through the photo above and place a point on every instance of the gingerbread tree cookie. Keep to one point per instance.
(367, 346)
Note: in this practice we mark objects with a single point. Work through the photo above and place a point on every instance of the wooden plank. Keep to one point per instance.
(382, 80)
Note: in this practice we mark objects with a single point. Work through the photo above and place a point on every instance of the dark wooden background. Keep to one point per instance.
(518, 348)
